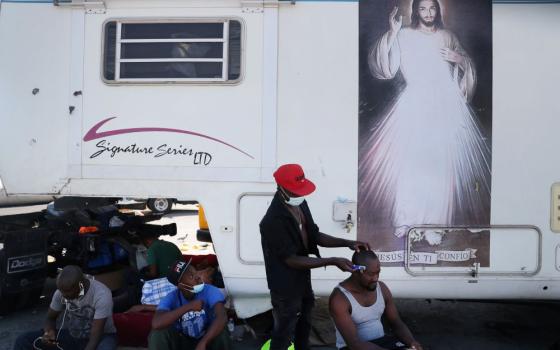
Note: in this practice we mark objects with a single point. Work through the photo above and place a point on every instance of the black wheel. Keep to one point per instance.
(203, 236)
(160, 205)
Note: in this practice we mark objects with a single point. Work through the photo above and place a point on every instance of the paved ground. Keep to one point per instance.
(439, 325)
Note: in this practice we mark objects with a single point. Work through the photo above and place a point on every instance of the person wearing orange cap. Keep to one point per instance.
(288, 236)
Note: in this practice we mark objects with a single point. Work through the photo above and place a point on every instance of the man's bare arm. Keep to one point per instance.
(339, 308)
(325, 240)
(164, 319)
(307, 262)
(50, 321)
(97, 328)
(399, 327)
(49, 329)
(217, 325)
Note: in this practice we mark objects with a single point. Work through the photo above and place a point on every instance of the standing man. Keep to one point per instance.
(87, 308)
(288, 236)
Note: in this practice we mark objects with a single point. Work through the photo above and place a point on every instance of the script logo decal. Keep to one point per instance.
(93, 134)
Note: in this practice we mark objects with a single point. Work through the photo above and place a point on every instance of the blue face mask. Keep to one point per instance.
(198, 288)
(194, 289)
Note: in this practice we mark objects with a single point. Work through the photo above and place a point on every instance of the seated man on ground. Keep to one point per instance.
(190, 317)
(161, 255)
(357, 304)
(87, 307)
(134, 326)
(155, 290)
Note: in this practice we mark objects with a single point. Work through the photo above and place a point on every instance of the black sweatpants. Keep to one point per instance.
(292, 320)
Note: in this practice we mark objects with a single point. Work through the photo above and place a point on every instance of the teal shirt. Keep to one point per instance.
(163, 254)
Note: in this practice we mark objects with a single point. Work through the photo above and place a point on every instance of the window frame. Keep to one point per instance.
(167, 81)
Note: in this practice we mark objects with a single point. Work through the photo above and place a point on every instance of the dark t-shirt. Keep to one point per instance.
(281, 238)
(163, 254)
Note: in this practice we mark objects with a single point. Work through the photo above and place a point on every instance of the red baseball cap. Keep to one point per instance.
(292, 178)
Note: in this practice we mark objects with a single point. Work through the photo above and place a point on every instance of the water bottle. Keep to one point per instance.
(230, 326)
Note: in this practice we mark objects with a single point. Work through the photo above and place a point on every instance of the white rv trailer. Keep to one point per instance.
(79, 120)
(10, 201)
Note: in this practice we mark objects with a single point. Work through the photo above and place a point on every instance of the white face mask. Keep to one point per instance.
(295, 201)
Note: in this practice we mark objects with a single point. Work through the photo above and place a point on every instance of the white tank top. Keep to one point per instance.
(367, 319)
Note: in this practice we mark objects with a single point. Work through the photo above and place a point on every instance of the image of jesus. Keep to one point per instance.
(426, 160)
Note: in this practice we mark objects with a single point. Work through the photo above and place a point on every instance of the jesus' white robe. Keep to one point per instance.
(426, 159)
